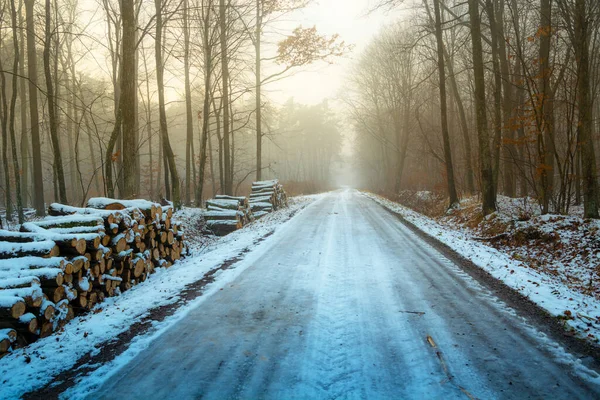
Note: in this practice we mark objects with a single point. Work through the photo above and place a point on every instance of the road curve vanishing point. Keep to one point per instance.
(347, 303)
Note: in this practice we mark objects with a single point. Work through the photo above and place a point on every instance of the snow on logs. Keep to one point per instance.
(267, 196)
(73, 259)
(226, 214)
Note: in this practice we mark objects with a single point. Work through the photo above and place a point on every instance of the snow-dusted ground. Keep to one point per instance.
(34, 366)
(581, 311)
(344, 301)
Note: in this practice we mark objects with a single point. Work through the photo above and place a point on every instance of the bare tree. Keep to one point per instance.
(38, 182)
(485, 162)
(128, 95)
(52, 107)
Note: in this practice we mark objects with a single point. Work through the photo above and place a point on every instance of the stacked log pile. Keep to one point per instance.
(63, 265)
(226, 214)
(267, 196)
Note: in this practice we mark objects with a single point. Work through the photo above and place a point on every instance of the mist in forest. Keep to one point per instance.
(186, 99)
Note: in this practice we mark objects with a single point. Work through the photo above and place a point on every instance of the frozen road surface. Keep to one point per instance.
(345, 302)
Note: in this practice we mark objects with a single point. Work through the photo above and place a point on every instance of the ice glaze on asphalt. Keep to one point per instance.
(340, 306)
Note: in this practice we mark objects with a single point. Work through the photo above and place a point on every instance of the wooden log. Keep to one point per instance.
(32, 295)
(68, 222)
(48, 277)
(19, 282)
(79, 263)
(92, 300)
(268, 183)
(123, 255)
(261, 206)
(260, 214)
(223, 215)
(11, 307)
(170, 237)
(119, 243)
(28, 322)
(7, 337)
(124, 286)
(56, 209)
(69, 243)
(82, 300)
(42, 249)
(220, 204)
(46, 329)
(31, 262)
(18, 237)
(47, 310)
(82, 285)
(94, 270)
(240, 199)
(148, 208)
(139, 266)
(163, 237)
(221, 228)
(262, 199)
(106, 240)
(55, 294)
(25, 324)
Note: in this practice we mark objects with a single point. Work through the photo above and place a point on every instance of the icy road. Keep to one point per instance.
(346, 302)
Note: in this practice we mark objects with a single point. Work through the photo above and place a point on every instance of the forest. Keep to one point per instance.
(155, 100)
(486, 98)
(169, 99)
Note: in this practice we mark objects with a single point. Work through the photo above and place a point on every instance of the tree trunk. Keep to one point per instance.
(52, 116)
(149, 131)
(206, 27)
(188, 106)
(586, 142)
(25, 159)
(443, 106)
(168, 152)
(4, 129)
(38, 180)
(464, 127)
(545, 138)
(497, 140)
(508, 146)
(128, 93)
(13, 104)
(485, 162)
(228, 184)
(257, 46)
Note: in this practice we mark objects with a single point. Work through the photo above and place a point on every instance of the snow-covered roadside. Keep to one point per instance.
(580, 312)
(36, 365)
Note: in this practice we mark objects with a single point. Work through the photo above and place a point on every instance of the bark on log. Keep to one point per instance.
(11, 307)
(36, 249)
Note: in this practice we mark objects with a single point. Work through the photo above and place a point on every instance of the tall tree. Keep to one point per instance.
(13, 104)
(545, 139)
(128, 86)
(38, 180)
(25, 158)
(164, 133)
(189, 121)
(207, 45)
(257, 46)
(223, 23)
(485, 161)
(443, 105)
(52, 107)
(581, 36)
